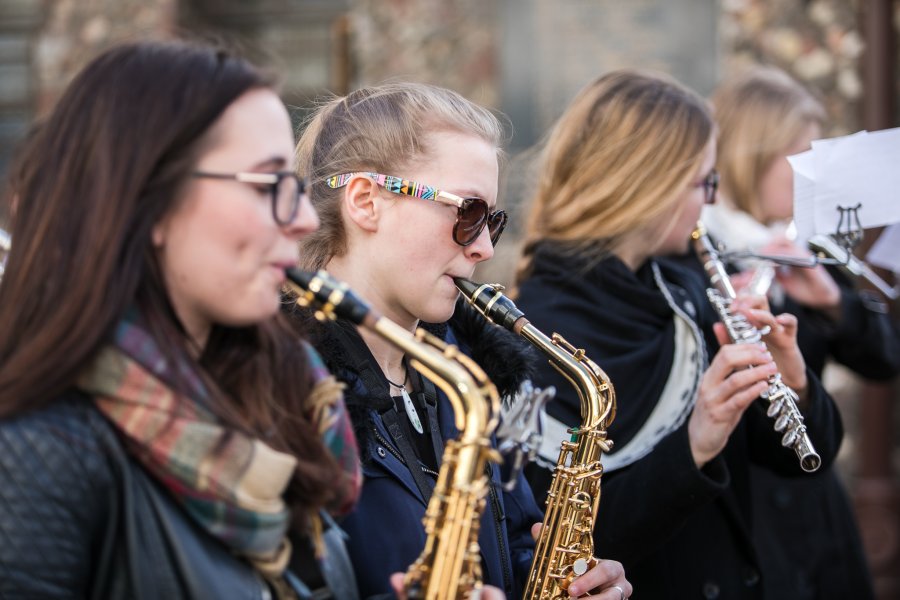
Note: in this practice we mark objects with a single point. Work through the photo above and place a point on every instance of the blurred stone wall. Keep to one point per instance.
(73, 31)
(452, 43)
(818, 42)
(19, 20)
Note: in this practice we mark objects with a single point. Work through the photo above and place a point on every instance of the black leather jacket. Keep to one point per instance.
(80, 519)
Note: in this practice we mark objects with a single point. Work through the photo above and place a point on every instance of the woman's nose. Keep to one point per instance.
(481, 249)
(306, 221)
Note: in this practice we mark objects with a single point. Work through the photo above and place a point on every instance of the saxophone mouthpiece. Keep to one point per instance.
(488, 299)
(331, 298)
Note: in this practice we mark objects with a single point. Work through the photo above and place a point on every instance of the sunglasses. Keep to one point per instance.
(472, 214)
(710, 186)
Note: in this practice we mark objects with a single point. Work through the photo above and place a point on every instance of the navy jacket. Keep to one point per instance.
(385, 530)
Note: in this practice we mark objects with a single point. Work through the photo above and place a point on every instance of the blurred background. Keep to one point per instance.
(526, 59)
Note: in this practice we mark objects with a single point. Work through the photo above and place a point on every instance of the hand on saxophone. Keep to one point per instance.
(605, 581)
(727, 388)
(488, 592)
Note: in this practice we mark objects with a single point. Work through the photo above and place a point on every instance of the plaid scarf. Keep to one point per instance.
(229, 483)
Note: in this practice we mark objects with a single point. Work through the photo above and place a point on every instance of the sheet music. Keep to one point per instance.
(862, 168)
(804, 196)
(885, 252)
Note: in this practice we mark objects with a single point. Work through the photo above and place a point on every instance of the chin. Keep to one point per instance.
(264, 310)
(438, 314)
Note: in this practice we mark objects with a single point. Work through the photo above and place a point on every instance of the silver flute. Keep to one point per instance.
(782, 399)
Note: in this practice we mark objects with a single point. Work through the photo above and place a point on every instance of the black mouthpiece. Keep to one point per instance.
(486, 297)
(323, 292)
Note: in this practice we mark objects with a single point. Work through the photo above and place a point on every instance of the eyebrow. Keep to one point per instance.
(275, 162)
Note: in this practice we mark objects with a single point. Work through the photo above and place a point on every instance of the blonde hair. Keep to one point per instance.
(760, 114)
(385, 129)
(615, 161)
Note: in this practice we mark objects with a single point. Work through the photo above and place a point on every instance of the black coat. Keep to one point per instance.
(681, 532)
(810, 524)
(79, 518)
(385, 529)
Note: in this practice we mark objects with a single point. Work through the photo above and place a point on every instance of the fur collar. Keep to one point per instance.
(506, 358)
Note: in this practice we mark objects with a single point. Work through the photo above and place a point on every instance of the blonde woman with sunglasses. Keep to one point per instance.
(405, 180)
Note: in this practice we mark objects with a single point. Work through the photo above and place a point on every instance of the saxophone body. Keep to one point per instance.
(565, 548)
(450, 565)
(781, 399)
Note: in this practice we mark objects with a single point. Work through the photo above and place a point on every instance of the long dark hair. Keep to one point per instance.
(106, 165)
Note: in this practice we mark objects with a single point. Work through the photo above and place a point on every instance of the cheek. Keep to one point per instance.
(777, 191)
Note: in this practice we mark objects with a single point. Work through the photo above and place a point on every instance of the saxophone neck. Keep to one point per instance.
(595, 392)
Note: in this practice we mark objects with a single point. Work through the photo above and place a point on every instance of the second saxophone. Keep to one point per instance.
(782, 400)
(565, 547)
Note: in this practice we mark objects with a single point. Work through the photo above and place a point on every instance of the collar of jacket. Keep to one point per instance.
(507, 359)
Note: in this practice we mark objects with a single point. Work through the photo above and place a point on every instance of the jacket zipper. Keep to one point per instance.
(495, 500)
(396, 453)
(498, 527)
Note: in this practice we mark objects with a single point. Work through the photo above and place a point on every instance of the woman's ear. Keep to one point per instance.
(361, 203)
(159, 233)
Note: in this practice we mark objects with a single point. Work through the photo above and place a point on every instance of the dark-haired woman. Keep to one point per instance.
(162, 434)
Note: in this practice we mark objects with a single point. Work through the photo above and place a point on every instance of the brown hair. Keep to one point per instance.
(760, 112)
(108, 163)
(613, 161)
(382, 128)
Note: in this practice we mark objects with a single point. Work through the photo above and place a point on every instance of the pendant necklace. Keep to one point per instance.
(408, 404)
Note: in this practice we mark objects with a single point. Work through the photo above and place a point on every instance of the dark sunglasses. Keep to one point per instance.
(710, 186)
(472, 214)
(285, 188)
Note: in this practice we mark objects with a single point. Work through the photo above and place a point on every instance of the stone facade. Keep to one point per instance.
(818, 42)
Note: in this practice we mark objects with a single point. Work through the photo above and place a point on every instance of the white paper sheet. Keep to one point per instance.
(862, 168)
(885, 252)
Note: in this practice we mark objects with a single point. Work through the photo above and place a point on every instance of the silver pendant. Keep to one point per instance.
(411, 410)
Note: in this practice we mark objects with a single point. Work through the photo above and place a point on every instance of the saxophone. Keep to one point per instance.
(565, 547)
(782, 400)
(450, 565)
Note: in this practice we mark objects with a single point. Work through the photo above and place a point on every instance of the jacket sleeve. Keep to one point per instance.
(865, 339)
(522, 513)
(53, 478)
(645, 503)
